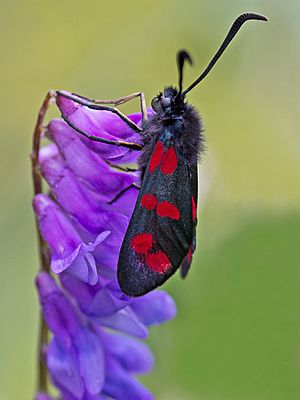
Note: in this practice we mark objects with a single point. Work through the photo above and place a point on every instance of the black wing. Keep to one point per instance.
(161, 229)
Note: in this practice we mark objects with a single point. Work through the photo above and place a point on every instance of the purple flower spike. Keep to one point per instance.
(94, 351)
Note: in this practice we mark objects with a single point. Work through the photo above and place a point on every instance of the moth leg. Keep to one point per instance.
(124, 169)
(82, 101)
(133, 185)
(122, 100)
(120, 143)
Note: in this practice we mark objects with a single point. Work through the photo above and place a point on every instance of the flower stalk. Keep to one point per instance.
(42, 247)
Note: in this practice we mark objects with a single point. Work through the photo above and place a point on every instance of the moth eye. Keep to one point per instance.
(166, 102)
(155, 104)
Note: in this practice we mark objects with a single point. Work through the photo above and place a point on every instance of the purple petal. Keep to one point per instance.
(55, 227)
(105, 304)
(84, 268)
(121, 386)
(96, 301)
(134, 356)
(83, 264)
(154, 308)
(125, 321)
(58, 312)
(91, 361)
(64, 368)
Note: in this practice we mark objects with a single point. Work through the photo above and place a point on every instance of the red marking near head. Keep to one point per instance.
(194, 209)
(166, 209)
(156, 156)
(158, 262)
(142, 243)
(169, 161)
(149, 201)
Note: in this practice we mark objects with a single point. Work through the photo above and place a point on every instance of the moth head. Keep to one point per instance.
(171, 99)
(167, 101)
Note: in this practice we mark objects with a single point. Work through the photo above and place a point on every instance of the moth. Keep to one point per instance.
(161, 236)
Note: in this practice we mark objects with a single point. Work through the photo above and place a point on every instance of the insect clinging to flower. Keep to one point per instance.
(161, 236)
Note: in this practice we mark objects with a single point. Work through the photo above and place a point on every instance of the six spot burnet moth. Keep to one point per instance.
(161, 236)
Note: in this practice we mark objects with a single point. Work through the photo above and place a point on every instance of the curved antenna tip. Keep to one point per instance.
(183, 55)
(237, 24)
(250, 15)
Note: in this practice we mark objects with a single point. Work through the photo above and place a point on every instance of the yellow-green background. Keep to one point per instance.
(237, 333)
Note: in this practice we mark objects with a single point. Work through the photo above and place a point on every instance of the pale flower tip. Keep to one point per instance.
(40, 204)
(48, 152)
(45, 284)
(65, 105)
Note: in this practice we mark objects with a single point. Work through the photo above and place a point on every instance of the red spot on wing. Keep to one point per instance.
(149, 201)
(169, 161)
(166, 209)
(158, 262)
(190, 254)
(156, 156)
(142, 243)
(194, 209)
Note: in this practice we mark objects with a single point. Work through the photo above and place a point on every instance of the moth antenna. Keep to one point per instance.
(182, 56)
(230, 35)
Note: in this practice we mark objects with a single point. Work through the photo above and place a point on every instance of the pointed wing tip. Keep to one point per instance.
(130, 287)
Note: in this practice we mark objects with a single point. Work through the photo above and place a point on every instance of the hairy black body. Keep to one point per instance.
(175, 129)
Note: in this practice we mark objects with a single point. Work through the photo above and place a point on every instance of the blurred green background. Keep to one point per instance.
(237, 333)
